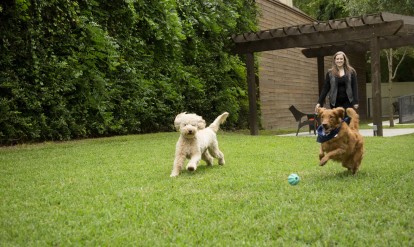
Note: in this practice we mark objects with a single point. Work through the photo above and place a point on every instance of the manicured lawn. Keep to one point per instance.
(117, 192)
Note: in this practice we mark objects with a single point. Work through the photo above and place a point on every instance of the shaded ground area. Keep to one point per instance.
(368, 132)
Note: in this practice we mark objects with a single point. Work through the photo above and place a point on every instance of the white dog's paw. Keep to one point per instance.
(191, 168)
(221, 161)
(174, 174)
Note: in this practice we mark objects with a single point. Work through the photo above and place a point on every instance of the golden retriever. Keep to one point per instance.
(340, 141)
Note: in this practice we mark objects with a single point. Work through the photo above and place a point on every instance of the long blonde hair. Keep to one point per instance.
(347, 66)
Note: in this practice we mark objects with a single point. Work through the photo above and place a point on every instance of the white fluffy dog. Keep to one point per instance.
(196, 142)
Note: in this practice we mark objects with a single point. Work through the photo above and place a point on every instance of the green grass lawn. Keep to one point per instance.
(117, 192)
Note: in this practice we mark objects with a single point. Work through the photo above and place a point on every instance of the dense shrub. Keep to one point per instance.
(88, 68)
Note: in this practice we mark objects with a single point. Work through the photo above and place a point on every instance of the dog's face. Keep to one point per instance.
(331, 118)
(189, 124)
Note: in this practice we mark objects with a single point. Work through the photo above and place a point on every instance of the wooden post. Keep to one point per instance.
(321, 73)
(376, 86)
(251, 82)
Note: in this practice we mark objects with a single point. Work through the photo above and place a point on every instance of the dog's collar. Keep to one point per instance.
(322, 137)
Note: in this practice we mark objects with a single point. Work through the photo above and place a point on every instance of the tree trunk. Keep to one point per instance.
(390, 72)
(391, 106)
(391, 75)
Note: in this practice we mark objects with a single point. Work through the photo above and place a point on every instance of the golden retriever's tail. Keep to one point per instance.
(354, 124)
(215, 126)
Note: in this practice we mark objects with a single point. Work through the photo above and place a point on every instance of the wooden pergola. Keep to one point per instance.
(318, 39)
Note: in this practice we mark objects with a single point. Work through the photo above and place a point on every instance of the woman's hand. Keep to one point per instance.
(356, 106)
(317, 107)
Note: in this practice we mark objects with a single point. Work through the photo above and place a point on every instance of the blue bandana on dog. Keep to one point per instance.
(322, 137)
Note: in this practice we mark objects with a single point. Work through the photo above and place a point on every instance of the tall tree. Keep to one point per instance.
(322, 10)
(358, 7)
(393, 56)
(389, 53)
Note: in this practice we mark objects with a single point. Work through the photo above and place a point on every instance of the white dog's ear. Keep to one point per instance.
(178, 120)
(201, 123)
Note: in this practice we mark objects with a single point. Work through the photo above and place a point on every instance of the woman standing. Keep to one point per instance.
(341, 84)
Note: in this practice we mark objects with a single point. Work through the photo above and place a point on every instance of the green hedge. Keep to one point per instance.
(89, 68)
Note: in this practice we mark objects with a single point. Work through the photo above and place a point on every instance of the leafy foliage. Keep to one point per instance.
(75, 69)
(322, 10)
(358, 7)
(332, 9)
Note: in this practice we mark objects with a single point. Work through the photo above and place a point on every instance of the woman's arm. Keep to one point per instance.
(325, 89)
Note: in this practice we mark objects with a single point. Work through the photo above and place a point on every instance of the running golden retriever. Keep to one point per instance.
(340, 141)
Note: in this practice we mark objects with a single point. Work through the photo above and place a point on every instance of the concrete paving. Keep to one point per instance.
(387, 132)
(366, 132)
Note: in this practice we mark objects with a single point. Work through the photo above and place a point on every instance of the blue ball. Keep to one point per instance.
(293, 179)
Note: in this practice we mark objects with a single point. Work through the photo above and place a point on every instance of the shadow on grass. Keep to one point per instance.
(345, 174)
(201, 170)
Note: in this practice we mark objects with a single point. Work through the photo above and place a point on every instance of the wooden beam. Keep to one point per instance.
(318, 38)
(251, 82)
(376, 86)
(332, 49)
(357, 47)
(397, 41)
(390, 16)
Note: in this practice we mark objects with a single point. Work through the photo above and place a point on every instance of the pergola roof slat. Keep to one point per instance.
(265, 35)
(319, 36)
(320, 39)
(277, 33)
(321, 26)
(307, 28)
(351, 35)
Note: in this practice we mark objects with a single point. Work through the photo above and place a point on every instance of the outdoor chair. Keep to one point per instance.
(396, 108)
(303, 119)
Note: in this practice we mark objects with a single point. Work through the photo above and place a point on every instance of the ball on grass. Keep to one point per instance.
(293, 179)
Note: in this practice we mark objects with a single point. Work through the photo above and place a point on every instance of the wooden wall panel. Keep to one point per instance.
(286, 77)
